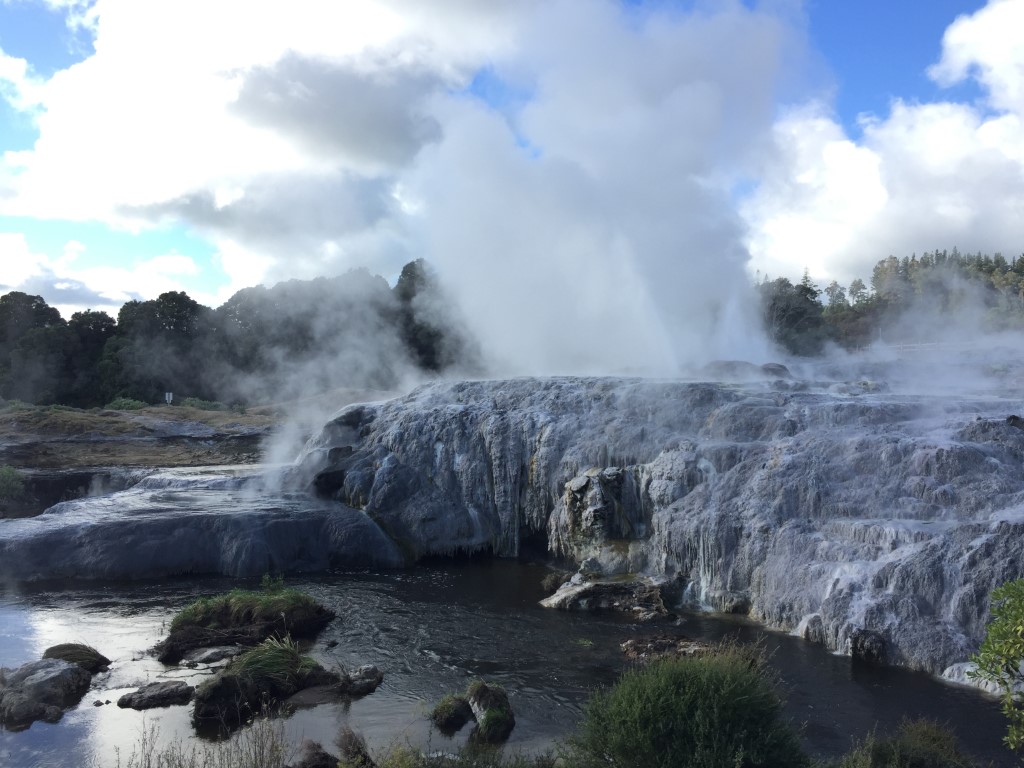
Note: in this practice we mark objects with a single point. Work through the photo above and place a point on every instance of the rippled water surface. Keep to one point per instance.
(431, 630)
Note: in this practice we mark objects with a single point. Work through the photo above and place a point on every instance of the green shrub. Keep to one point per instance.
(1001, 655)
(203, 405)
(12, 484)
(125, 404)
(917, 744)
(720, 710)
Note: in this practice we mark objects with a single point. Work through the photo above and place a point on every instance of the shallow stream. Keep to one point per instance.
(431, 630)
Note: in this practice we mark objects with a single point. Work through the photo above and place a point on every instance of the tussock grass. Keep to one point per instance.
(85, 656)
(277, 663)
(240, 607)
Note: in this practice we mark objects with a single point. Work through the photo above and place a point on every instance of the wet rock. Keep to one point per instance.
(451, 713)
(639, 597)
(88, 658)
(301, 621)
(364, 681)
(867, 645)
(645, 649)
(40, 690)
(212, 655)
(165, 694)
(492, 710)
(812, 629)
(244, 689)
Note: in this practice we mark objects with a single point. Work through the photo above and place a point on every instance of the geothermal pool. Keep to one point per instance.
(431, 629)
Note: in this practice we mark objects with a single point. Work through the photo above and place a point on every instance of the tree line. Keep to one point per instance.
(906, 300)
(294, 339)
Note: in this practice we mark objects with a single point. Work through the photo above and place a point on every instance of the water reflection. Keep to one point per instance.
(432, 630)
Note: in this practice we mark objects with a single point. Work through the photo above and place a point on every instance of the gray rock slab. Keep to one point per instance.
(153, 695)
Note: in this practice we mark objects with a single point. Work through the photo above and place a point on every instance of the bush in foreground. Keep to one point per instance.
(715, 711)
(1001, 657)
(917, 744)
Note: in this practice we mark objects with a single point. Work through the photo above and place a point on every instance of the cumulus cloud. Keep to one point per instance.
(587, 226)
(925, 176)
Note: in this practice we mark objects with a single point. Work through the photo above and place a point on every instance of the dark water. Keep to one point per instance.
(431, 630)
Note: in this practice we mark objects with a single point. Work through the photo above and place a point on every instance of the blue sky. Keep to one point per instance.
(128, 169)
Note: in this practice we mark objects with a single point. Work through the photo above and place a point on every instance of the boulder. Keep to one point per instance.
(638, 597)
(41, 690)
(88, 658)
(493, 713)
(451, 713)
(155, 695)
(363, 681)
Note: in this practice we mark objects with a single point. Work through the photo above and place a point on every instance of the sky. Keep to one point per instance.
(609, 176)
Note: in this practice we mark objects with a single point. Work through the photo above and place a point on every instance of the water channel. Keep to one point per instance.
(431, 630)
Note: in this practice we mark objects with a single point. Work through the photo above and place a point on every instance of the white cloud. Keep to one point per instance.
(926, 176)
(988, 46)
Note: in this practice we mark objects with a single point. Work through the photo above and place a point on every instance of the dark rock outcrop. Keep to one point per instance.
(638, 597)
(88, 658)
(646, 649)
(155, 695)
(186, 640)
(40, 690)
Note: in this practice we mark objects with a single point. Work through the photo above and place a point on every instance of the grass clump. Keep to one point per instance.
(244, 618)
(125, 404)
(85, 656)
(720, 710)
(917, 744)
(241, 607)
(275, 663)
(259, 679)
(12, 484)
(451, 713)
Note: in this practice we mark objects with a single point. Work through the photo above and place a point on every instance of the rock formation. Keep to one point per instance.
(868, 520)
(851, 512)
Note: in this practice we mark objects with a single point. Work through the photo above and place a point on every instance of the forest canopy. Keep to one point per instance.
(264, 344)
(304, 337)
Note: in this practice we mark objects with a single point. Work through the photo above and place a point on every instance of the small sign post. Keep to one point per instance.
(168, 397)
